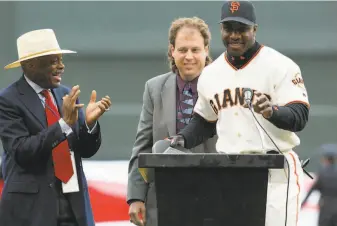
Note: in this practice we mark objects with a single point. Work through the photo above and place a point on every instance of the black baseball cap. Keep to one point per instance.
(240, 11)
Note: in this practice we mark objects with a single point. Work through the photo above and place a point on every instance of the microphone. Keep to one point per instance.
(164, 147)
(248, 96)
(160, 146)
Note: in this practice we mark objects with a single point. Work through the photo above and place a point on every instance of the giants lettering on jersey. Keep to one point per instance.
(230, 98)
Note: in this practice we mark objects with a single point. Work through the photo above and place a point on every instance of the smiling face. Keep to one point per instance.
(45, 71)
(237, 37)
(189, 52)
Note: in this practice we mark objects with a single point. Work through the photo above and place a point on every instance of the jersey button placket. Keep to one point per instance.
(238, 134)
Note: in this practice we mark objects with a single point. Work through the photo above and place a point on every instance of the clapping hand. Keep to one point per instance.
(95, 109)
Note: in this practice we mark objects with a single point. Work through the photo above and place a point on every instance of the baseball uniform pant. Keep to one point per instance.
(277, 193)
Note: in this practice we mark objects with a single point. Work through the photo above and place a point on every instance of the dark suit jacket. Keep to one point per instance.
(28, 197)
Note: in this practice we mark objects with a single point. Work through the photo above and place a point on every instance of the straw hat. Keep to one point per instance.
(35, 44)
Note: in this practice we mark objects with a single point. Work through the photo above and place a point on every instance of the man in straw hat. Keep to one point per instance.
(44, 134)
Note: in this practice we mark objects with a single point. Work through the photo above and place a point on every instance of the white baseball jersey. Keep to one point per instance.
(220, 98)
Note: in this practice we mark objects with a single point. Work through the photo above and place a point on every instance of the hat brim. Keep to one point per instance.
(18, 62)
(237, 19)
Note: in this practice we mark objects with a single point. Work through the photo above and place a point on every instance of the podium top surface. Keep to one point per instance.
(214, 160)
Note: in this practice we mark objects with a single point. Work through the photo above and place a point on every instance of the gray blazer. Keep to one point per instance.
(157, 121)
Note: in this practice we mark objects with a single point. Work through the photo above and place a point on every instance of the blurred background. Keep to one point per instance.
(120, 45)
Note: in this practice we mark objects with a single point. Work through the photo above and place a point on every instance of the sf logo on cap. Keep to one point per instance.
(234, 6)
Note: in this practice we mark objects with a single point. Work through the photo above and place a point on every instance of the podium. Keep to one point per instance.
(211, 189)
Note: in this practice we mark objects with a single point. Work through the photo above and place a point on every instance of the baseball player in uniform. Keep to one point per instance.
(280, 102)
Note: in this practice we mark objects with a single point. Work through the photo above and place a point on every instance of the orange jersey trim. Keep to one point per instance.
(298, 102)
(298, 185)
(246, 64)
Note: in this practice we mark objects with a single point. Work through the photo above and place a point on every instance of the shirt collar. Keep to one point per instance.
(38, 89)
(183, 84)
(239, 61)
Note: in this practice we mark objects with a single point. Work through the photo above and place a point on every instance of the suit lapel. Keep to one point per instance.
(168, 96)
(31, 100)
(58, 94)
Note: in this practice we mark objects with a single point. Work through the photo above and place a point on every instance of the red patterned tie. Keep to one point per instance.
(61, 154)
